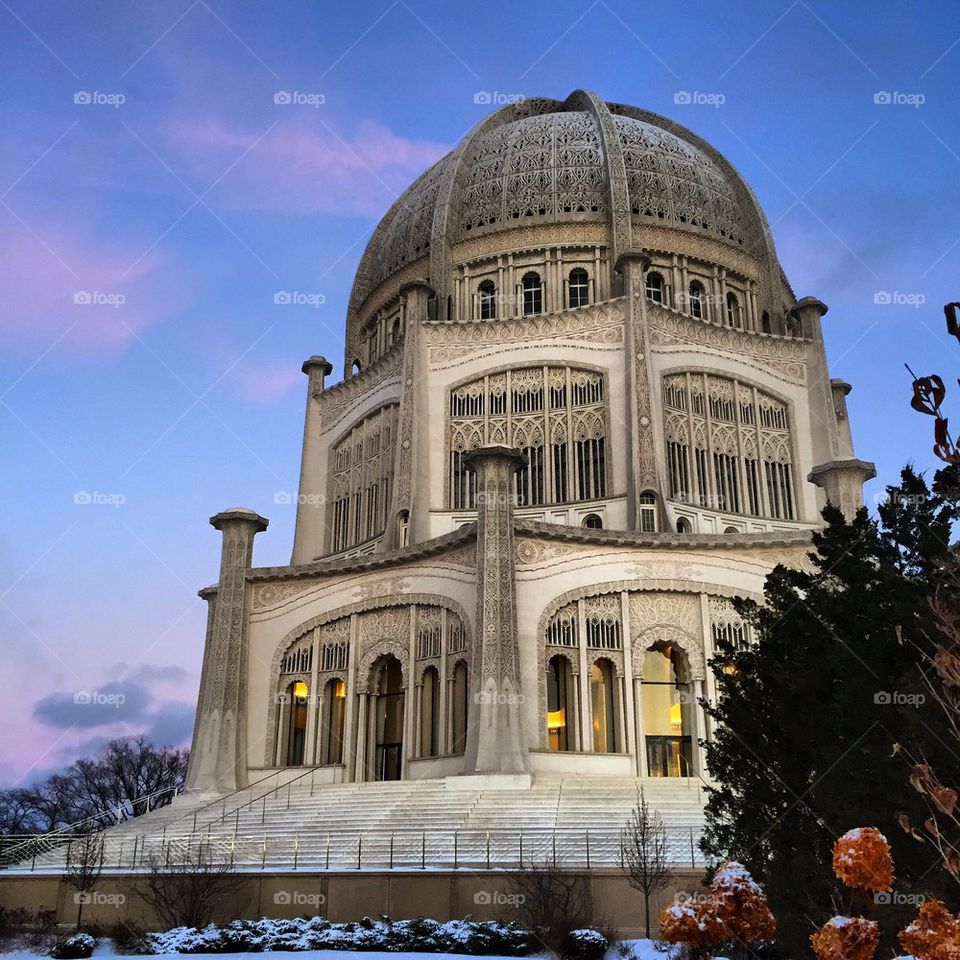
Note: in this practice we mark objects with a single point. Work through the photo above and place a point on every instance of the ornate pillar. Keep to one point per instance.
(313, 513)
(494, 740)
(218, 756)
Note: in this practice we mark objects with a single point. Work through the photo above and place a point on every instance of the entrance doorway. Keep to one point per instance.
(667, 708)
(297, 727)
(388, 717)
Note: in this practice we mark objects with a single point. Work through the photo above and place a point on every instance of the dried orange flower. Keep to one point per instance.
(861, 859)
(934, 935)
(846, 938)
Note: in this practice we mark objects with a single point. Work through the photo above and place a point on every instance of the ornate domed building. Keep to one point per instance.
(581, 410)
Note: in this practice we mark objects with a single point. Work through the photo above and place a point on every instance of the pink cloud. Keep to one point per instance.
(303, 166)
(266, 383)
(54, 281)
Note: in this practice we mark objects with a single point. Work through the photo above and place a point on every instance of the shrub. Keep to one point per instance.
(846, 938)
(861, 860)
(585, 944)
(78, 946)
(934, 935)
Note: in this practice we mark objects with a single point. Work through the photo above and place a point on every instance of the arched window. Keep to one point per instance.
(695, 299)
(667, 708)
(532, 294)
(733, 310)
(335, 704)
(731, 530)
(388, 709)
(593, 521)
(362, 479)
(648, 512)
(560, 704)
(578, 288)
(765, 322)
(430, 713)
(603, 713)
(729, 446)
(460, 700)
(556, 415)
(403, 529)
(655, 287)
(487, 294)
(683, 525)
(355, 367)
(394, 331)
(298, 696)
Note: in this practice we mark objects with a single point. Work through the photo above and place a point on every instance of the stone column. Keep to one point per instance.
(313, 513)
(495, 743)
(218, 757)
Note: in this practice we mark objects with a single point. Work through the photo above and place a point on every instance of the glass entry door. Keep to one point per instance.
(389, 722)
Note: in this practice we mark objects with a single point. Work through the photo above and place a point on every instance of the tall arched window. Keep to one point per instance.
(555, 415)
(388, 707)
(765, 322)
(733, 310)
(298, 697)
(729, 446)
(335, 703)
(430, 713)
(362, 479)
(532, 294)
(403, 529)
(648, 512)
(602, 698)
(667, 706)
(695, 299)
(578, 288)
(487, 294)
(560, 704)
(654, 287)
(461, 693)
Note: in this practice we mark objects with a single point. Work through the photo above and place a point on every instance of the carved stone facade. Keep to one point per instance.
(581, 413)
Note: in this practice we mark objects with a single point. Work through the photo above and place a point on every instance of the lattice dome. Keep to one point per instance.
(547, 161)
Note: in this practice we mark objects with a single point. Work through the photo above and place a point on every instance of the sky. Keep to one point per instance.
(158, 190)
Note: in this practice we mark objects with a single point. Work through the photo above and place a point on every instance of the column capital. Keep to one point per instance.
(512, 456)
(239, 515)
(842, 481)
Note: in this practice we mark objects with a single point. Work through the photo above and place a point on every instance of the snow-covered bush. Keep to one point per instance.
(846, 938)
(77, 946)
(934, 935)
(473, 937)
(585, 944)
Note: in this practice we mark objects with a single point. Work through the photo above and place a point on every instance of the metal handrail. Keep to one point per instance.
(71, 830)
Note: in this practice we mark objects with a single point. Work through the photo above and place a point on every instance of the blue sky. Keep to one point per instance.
(177, 198)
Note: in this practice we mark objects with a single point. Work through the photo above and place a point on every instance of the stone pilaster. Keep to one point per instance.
(495, 743)
(308, 539)
(218, 758)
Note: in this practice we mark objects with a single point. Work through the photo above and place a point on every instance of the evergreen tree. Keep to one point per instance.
(807, 716)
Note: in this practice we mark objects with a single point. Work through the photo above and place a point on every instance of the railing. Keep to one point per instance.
(397, 850)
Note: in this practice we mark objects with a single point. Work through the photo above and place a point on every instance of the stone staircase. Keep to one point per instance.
(425, 824)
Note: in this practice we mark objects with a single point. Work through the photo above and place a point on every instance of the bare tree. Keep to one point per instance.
(644, 840)
(552, 902)
(185, 889)
(83, 868)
